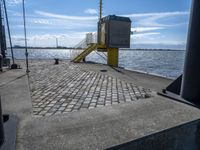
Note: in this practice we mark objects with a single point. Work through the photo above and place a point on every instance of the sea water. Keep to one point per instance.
(167, 63)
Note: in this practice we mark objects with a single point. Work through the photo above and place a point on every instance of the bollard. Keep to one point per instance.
(1, 63)
(56, 61)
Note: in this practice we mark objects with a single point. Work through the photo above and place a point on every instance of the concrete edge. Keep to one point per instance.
(184, 137)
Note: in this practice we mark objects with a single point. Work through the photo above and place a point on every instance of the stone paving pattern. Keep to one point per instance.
(70, 87)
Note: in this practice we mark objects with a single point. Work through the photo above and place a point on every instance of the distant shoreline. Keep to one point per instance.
(43, 47)
(122, 49)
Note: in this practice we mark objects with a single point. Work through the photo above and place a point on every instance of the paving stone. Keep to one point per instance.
(91, 107)
(77, 88)
(61, 108)
(50, 105)
(64, 104)
(48, 114)
(67, 110)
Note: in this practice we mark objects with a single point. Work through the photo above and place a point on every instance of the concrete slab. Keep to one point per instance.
(104, 127)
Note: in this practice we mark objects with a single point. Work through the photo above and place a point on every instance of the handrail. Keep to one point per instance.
(83, 44)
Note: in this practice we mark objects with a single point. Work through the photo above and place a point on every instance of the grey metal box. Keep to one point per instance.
(114, 31)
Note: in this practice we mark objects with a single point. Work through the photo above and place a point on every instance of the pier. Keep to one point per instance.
(79, 105)
(91, 106)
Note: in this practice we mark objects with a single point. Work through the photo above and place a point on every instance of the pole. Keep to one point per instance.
(56, 42)
(190, 89)
(9, 35)
(1, 32)
(25, 38)
(100, 9)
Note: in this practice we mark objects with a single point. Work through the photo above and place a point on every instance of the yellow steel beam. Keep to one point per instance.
(101, 46)
(112, 59)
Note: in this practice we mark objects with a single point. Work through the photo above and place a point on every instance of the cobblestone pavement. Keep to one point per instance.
(69, 87)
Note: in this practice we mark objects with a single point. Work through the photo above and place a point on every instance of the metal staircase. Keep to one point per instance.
(78, 49)
(86, 52)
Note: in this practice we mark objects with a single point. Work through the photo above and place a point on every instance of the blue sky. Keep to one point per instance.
(156, 23)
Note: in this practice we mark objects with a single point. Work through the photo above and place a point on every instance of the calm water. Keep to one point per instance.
(164, 63)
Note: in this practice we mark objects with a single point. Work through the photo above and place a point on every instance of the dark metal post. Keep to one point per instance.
(9, 35)
(1, 63)
(190, 89)
(2, 51)
(25, 38)
(100, 9)
(1, 33)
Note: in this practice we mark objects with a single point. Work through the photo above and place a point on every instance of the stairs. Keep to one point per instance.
(86, 52)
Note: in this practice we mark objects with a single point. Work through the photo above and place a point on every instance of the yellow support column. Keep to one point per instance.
(112, 59)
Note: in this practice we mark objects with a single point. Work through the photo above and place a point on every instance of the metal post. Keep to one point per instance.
(25, 38)
(1, 33)
(9, 35)
(1, 37)
(1, 63)
(100, 9)
(190, 89)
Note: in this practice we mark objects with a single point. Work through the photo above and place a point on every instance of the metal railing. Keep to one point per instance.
(78, 48)
(83, 44)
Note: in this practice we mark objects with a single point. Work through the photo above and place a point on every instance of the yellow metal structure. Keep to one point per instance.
(112, 59)
(102, 44)
(112, 53)
(86, 52)
(112, 56)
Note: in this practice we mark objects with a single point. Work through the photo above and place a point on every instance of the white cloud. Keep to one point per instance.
(62, 23)
(145, 29)
(59, 16)
(158, 14)
(91, 11)
(144, 21)
(155, 38)
(152, 19)
(14, 2)
(69, 39)
(145, 35)
(148, 25)
(46, 20)
(42, 21)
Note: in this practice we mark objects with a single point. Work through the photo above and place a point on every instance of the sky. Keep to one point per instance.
(155, 23)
